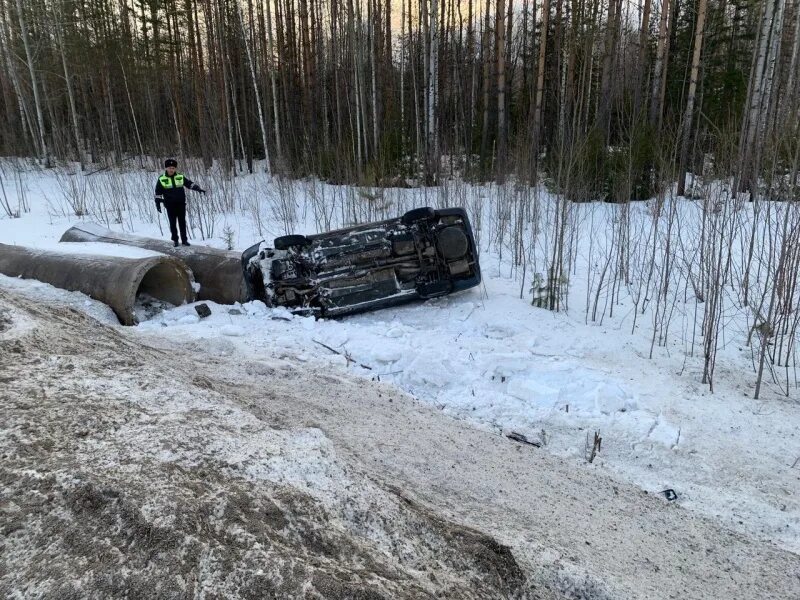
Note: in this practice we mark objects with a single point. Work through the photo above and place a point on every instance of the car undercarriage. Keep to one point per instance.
(423, 254)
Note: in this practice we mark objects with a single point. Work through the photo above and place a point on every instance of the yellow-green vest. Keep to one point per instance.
(167, 181)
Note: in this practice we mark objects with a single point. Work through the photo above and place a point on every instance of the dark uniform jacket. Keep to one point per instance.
(170, 190)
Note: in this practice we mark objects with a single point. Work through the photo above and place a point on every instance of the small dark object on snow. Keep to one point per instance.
(203, 310)
(669, 494)
(234, 311)
(423, 254)
(518, 437)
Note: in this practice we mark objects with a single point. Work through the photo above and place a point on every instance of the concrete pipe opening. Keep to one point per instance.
(163, 282)
(160, 277)
(113, 280)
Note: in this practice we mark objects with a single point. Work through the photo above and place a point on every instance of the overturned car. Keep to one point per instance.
(423, 254)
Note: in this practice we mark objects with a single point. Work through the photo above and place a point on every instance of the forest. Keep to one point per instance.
(597, 99)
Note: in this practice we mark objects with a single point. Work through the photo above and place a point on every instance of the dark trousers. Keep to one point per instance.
(176, 215)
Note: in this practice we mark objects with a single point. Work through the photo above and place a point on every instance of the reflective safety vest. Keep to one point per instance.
(166, 181)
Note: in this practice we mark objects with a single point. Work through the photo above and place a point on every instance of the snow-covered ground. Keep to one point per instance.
(489, 357)
(138, 465)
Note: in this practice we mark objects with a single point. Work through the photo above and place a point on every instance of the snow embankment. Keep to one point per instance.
(508, 367)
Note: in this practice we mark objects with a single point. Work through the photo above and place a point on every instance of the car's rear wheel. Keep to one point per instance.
(418, 214)
(291, 241)
(453, 243)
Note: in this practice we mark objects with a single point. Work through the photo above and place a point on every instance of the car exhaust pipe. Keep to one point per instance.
(113, 280)
(219, 272)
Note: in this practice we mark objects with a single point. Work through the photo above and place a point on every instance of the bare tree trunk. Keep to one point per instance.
(113, 126)
(641, 68)
(133, 116)
(270, 50)
(473, 82)
(604, 107)
(25, 118)
(525, 43)
(237, 122)
(772, 76)
(688, 116)
(254, 81)
(585, 101)
(307, 75)
(794, 65)
(568, 117)
(500, 53)
(537, 110)
(44, 153)
(403, 45)
(485, 52)
(356, 81)
(749, 133)
(415, 84)
(433, 93)
(656, 95)
(73, 111)
(559, 70)
(768, 326)
(228, 110)
(373, 50)
(361, 86)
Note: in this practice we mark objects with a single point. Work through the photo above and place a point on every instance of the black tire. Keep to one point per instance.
(291, 241)
(453, 243)
(418, 214)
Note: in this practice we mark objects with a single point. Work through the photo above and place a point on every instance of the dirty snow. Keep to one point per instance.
(36, 290)
(125, 474)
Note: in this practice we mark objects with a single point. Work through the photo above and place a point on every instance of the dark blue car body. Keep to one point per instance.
(423, 254)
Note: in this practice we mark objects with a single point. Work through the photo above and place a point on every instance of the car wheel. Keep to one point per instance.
(289, 241)
(453, 243)
(418, 214)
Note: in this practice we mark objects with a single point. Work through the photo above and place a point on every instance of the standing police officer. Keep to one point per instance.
(170, 190)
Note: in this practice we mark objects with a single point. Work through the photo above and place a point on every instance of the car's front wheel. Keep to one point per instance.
(291, 241)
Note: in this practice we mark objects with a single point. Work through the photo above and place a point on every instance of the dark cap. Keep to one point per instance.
(170, 162)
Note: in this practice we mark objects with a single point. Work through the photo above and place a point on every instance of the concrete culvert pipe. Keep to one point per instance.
(219, 272)
(113, 280)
